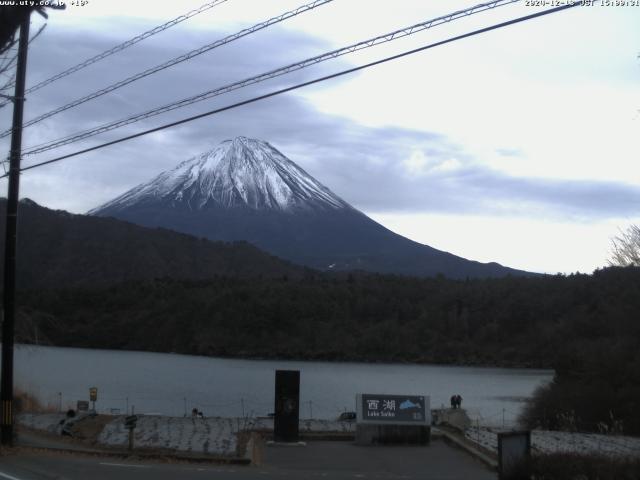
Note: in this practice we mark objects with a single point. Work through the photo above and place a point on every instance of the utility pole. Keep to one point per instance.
(9, 291)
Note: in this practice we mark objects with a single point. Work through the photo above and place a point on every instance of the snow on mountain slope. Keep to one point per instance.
(240, 172)
(246, 190)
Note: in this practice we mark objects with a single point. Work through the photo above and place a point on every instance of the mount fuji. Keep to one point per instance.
(245, 189)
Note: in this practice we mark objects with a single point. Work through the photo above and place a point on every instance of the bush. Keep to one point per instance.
(25, 402)
(563, 466)
(590, 392)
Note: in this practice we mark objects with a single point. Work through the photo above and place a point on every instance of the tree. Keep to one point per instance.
(12, 16)
(625, 248)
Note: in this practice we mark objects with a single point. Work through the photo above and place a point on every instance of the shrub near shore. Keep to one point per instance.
(594, 389)
(25, 402)
(564, 466)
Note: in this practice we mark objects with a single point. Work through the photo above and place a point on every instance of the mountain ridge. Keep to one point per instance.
(60, 249)
(245, 189)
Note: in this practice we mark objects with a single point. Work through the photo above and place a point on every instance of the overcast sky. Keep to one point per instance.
(519, 146)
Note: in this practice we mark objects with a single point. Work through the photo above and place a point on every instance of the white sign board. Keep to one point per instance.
(379, 409)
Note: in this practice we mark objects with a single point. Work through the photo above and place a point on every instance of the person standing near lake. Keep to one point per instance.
(453, 401)
(459, 401)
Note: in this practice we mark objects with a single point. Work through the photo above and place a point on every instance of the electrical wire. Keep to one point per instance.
(387, 37)
(174, 61)
(305, 84)
(123, 45)
(7, 65)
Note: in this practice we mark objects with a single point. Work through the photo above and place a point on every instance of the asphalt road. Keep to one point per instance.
(318, 460)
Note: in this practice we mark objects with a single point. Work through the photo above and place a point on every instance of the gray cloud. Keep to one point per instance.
(375, 169)
(510, 152)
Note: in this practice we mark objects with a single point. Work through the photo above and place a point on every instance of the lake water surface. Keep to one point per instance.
(173, 384)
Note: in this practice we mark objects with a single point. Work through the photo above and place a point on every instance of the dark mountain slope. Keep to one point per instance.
(247, 190)
(56, 248)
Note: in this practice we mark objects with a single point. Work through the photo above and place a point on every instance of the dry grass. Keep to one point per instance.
(563, 466)
(26, 402)
(89, 428)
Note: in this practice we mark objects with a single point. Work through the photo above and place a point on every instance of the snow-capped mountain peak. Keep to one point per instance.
(246, 190)
(242, 172)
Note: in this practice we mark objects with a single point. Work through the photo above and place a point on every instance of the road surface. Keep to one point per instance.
(317, 460)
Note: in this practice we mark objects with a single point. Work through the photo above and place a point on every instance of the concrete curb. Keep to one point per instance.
(327, 437)
(136, 454)
(459, 442)
(271, 443)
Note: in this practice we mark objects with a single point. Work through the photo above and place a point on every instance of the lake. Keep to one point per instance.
(171, 384)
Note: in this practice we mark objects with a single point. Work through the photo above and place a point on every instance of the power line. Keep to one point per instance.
(122, 46)
(38, 33)
(7, 65)
(175, 61)
(387, 37)
(304, 84)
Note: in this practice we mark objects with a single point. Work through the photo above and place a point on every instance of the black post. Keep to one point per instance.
(6, 382)
(287, 406)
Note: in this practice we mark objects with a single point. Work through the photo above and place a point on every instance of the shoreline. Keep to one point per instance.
(317, 359)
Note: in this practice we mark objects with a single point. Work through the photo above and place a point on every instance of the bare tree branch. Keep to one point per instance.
(625, 248)
(7, 70)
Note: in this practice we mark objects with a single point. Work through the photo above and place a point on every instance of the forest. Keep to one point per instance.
(586, 327)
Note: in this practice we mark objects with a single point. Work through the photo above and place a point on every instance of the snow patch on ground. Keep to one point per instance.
(306, 426)
(47, 422)
(214, 436)
(544, 441)
(196, 435)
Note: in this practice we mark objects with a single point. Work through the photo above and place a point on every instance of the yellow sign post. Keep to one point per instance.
(93, 396)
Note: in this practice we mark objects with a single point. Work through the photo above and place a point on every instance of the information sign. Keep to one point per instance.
(393, 409)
